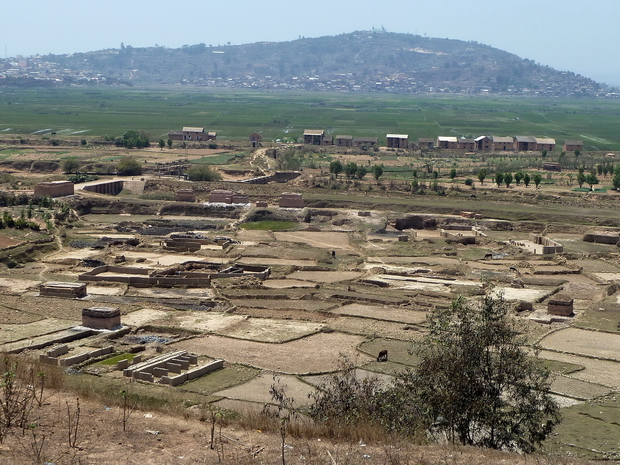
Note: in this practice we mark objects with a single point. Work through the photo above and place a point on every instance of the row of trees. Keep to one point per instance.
(127, 166)
(353, 170)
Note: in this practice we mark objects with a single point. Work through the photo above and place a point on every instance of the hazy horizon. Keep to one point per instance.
(557, 33)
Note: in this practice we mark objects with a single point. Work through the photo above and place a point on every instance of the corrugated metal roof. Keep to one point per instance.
(573, 142)
(502, 139)
(480, 138)
(344, 137)
(398, 136)
(545, 141)
(314, 132)
(190, 129)
(447, 139)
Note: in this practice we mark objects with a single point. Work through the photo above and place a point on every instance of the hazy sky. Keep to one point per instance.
(573, 35)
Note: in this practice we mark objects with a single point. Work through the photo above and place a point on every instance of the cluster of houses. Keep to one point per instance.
(192, 134)
(482, 143)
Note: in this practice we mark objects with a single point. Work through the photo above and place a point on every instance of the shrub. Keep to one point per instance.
(70, 165)
(203, 173)
(129, 166)
(469, 182)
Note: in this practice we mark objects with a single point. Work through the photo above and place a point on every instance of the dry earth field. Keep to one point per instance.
(373, 293)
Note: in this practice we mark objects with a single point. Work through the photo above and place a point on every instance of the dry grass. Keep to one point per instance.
(200, 434)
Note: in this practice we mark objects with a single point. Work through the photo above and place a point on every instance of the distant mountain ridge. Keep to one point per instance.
(371, 61)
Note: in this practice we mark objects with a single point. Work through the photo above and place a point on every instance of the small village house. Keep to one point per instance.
(313, 136)
(343, 141)
(572, 145)
(503, 143)
(426, 143)
(545, 144)
(447, 142)
(397, 141)
(255, 139)
(365, 141)
(524, 143)
(484, 143)
(467, 144)
(192, 134)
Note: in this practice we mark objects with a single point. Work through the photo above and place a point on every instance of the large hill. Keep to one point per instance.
(359, 61)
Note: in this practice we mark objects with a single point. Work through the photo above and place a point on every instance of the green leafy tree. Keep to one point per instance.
(519, 177)
(377, 172)
(476, 382)
(335, 167)
(544, 153)
(616, 179)
(70, 165)
(526, 179)
(581, 178)
(591, 180)
(169, 142)
(133, 139)
(129, 166)
(350, 169)
(499, 178)
(162, 144)
(288, 160)
(577, 152)
(203, 173)
(453, 173)
(482, 174)
(507, 179)
(361, 172)
(537, 179)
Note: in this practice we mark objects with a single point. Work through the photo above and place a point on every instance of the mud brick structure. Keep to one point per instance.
(220, 196)
(185, 195)
(229, 197)
(67, 290)
(101, 317)
(560, 305)
(174, 276)
(240, 198)
(602, 237)
(262, 204)
(291, 200)
(363, 213)
(403, 238)
(113, 187)
(549, 246)
(54, 189)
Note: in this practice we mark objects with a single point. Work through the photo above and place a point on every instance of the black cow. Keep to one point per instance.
(383, 356)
